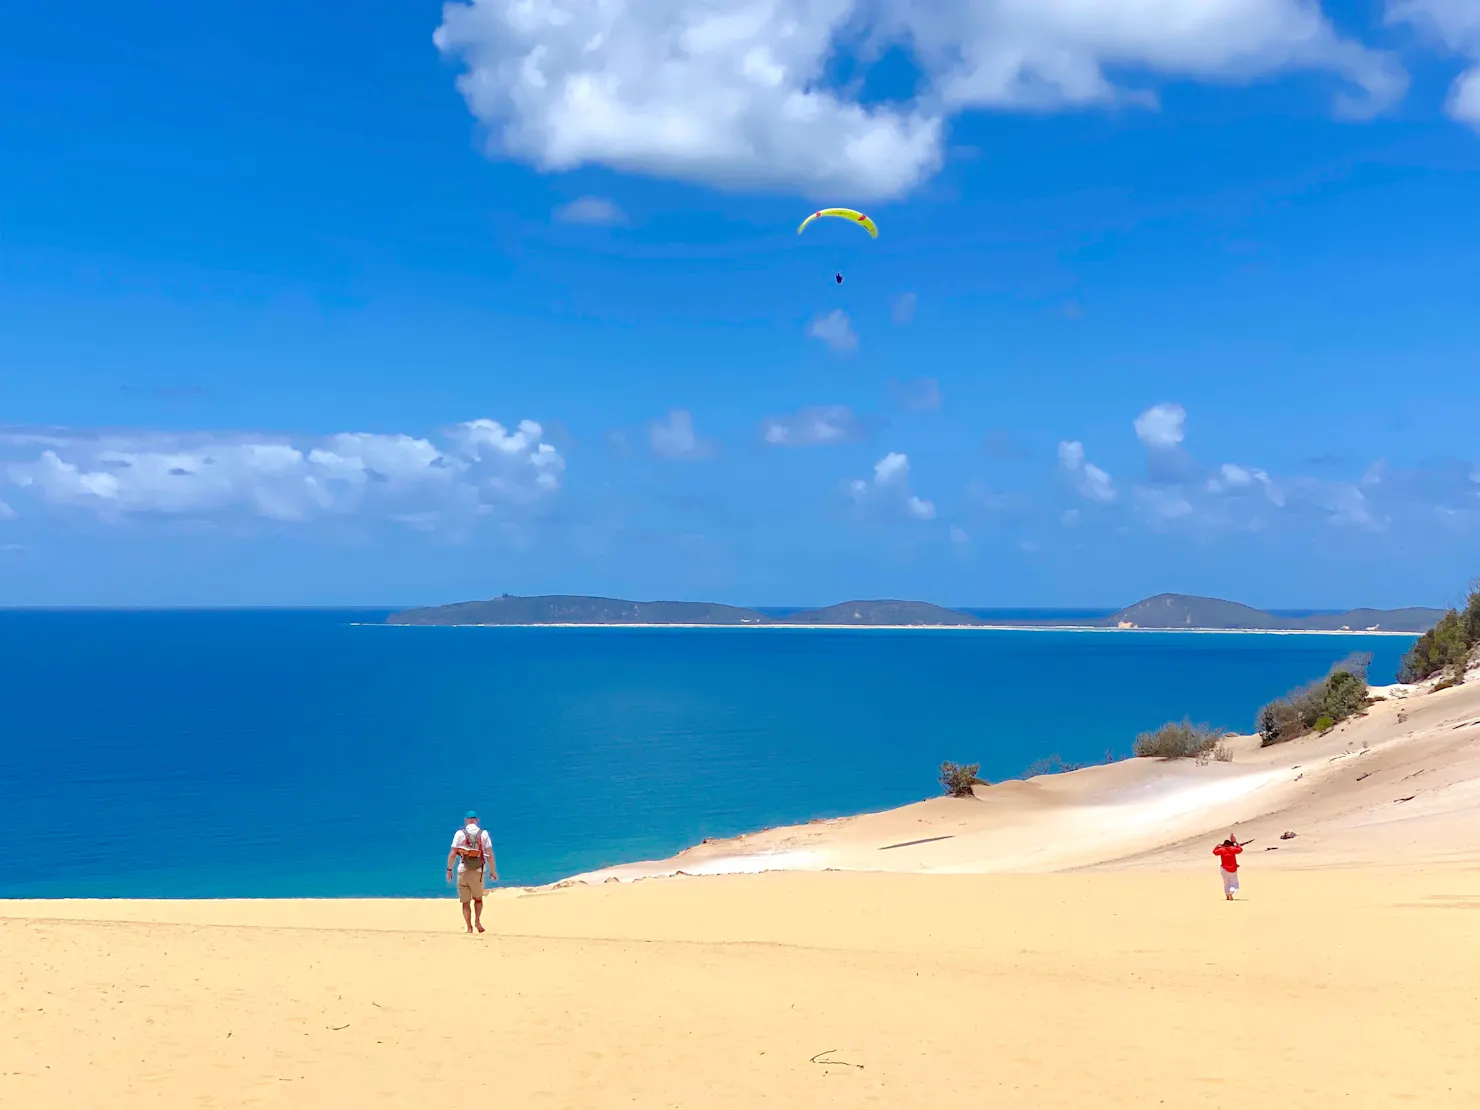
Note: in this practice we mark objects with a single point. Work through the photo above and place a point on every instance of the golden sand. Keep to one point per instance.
(1351, 988)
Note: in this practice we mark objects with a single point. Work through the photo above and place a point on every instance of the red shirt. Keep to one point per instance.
(1228, 853)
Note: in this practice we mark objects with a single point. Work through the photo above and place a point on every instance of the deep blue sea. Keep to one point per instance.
(270, 753)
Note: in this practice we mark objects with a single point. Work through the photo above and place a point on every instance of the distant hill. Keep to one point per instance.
(1165, 611)
(1182, 611)
(564, 609)
(885, 613)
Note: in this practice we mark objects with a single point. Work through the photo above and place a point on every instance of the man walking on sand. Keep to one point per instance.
(472, 849)
(1228, 852)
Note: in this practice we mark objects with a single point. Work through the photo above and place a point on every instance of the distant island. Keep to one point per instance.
(1162, 612)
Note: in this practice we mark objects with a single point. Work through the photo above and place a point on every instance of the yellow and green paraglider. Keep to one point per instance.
(843, 214)
(852, 216)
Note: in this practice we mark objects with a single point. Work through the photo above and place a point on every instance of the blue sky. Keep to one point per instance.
(334, 304)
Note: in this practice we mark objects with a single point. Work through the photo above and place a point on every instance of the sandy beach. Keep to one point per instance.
(929, 628)
(1061, 942)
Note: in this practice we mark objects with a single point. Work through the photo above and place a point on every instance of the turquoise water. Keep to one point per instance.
(195, 754)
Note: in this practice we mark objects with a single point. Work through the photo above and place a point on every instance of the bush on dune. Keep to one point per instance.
(1180, 740)
(1446, 646)
(1317, 706)
(1053, 765)
(958, 778)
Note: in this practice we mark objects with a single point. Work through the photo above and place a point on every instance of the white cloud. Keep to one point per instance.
(1347, 504)
(674, 437)
(959, 536)
(893, 469)
(834, 329)
(891, 485)
(903, 309)
(597, 211)
(481, 465)
(1090, 480)
(6, 512)
(812, 427)
(1233, 478)
(919, 508)
(1464, 98)
(735, 93)
(1162, 426)
(1456, 24)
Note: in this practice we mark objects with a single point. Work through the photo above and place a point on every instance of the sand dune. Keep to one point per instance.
(1340, 793)
(1344, 976)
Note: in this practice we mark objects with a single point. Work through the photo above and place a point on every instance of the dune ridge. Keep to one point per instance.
(1357, 793)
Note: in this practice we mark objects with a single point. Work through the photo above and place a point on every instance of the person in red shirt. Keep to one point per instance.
(1227, 853)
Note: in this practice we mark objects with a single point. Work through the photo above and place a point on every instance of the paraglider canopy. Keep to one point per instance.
(843, 214)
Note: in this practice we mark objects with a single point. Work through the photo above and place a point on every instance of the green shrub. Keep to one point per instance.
(958, 778)
(1053, 765)
(1345, 695)
(1448, 644)
(1178, 740)
(1317, 706)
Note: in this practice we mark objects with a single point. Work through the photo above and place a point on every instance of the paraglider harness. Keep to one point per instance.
(472, 849)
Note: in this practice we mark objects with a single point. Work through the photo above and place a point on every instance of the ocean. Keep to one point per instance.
(292, 753)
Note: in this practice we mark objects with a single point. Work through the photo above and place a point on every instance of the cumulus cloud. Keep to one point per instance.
(1162, 426)
(597, 211)
(1456, 24)
(959, 536)
(919, 508)
(892, 470)
(736, 93)
(478, 466)
(674, 437)
(834, 329)
(1090, 480)
(826, 426)
(891, 485)
(1232, 478)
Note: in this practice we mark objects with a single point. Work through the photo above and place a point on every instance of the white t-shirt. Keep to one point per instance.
(460, 839)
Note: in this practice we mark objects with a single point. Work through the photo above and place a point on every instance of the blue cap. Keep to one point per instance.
(470, 816)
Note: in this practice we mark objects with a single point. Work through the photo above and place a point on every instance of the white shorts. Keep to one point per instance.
(1230, 882)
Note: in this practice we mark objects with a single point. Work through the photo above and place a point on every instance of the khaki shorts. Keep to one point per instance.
(470, 885)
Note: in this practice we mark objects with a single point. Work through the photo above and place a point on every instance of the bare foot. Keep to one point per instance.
(480, 928)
